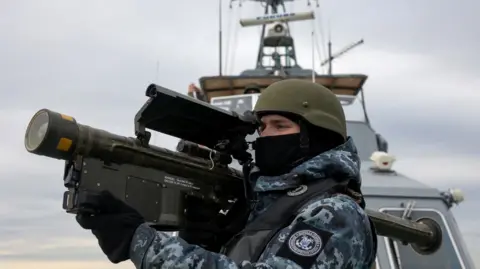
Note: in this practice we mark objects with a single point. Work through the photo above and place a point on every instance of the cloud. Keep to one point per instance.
(93, 60)
(407, 27)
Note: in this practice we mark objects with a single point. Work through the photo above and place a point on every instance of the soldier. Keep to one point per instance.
(309, 207)
(252, 88)
(197, 93)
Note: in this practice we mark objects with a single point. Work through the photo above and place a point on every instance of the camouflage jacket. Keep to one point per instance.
(350, 244)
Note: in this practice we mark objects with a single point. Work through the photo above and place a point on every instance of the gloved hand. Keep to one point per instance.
(113, 226)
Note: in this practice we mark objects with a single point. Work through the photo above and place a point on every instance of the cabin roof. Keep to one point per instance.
(393, 184)
(215, 86)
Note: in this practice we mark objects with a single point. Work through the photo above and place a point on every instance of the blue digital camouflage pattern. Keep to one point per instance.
(351, 245)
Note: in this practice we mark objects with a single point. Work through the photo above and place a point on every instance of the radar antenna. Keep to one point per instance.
(338, 54)
(278, 39)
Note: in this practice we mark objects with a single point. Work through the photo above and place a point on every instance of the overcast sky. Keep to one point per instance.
(93, 60)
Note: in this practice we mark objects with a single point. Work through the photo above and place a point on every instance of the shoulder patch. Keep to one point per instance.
(304, 244)
(299, 190)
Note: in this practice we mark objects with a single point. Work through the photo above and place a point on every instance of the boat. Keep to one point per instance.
(385, 189)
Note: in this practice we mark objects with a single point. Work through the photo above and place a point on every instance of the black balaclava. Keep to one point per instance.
(276, 155)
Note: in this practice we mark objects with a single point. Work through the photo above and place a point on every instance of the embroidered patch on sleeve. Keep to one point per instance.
(304, 244)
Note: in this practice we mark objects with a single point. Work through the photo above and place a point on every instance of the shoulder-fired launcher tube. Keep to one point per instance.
(424, 234)
(58, 136)
(55, 135)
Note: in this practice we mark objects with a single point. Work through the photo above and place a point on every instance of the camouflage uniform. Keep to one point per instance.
(350, 245)
(337, 223)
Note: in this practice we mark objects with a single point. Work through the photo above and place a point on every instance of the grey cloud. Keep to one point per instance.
(443, 29)
(96, 67)
(80, 53)
(438, 115)
(37, 228)
(409, 126)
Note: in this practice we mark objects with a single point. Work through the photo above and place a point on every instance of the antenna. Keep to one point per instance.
(157, 73)
(313, 52)
(220, 50)
(338, 54)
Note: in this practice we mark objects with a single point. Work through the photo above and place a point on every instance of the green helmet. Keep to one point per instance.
(311, 101)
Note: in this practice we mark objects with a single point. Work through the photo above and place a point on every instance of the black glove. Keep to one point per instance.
(113, 225)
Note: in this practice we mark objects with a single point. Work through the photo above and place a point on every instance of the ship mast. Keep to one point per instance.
(276, 52)
(278, 40)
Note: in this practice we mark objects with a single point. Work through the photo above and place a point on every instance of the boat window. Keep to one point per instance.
(236, 103)
(405, 257)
